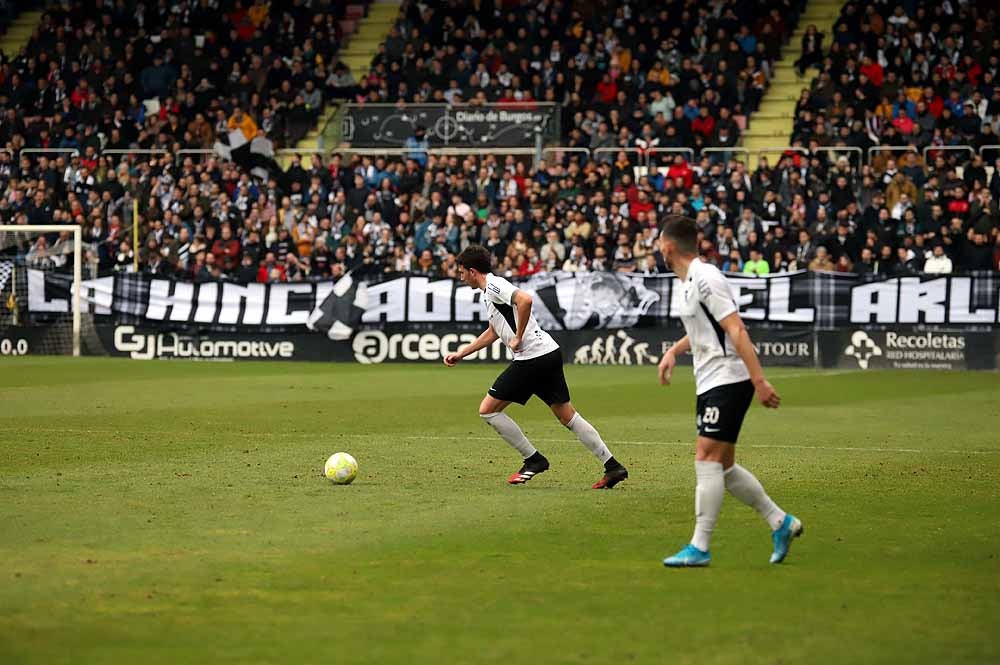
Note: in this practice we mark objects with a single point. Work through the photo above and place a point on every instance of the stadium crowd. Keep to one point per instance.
(625, 73)
(680, 77)
(892, 78)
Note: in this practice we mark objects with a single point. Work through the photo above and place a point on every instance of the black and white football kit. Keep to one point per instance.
(537, 368)
(722, 380)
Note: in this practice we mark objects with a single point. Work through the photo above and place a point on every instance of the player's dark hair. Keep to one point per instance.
(683, 231)
(477, 258)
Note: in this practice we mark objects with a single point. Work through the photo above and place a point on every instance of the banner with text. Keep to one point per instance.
(899, 347)
(372, 347)
(908, 348)
(562, 301)
(494, 126)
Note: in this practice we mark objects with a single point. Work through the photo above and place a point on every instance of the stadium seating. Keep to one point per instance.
(674, 89)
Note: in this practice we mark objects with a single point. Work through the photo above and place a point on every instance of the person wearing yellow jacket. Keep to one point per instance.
(243, 122)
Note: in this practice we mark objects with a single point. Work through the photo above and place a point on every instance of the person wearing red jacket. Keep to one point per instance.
(704, 124)
(270, 270)
(680, 169)
(973, 70)
(530, 264)
(80, 94)
(607, 90)
(642, 204)
(873, 71)
(227, 250)
(935, 103)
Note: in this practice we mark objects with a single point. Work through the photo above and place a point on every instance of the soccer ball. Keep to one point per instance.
(341, 469)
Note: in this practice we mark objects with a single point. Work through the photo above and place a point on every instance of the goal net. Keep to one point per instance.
(42, 269)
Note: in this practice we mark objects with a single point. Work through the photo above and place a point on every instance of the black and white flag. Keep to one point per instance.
(6, 270)
(340, 312)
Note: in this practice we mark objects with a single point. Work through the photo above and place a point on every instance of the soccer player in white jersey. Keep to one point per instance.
(727, 375)
(537, 369)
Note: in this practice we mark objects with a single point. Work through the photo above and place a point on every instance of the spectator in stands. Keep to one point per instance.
(577, 260)
(906, 262)
(418, 146)
(756, 265)
(812, 50)
(976, 254)
(866, 264)
(733, 263)
(822, 261)
(938, 263)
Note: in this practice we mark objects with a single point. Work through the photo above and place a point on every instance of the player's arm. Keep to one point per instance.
(737, 332)
(481, 342)
(522, 303)
(669, 360)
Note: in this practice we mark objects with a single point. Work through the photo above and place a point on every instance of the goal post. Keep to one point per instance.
(22, 250)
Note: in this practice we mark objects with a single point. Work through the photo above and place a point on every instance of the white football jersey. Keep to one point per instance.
(499, 298)
(708, 300)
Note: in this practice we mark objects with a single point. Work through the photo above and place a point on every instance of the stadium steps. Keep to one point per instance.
(371, 31)
(19, 33)
(362, 35)
(771, 125)
(313, 141)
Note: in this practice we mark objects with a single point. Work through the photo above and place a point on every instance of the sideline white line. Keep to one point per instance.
(427, 437)
(690, 444)
(814, 373)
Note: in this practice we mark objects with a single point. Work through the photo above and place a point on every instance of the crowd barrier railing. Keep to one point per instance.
(947, 148)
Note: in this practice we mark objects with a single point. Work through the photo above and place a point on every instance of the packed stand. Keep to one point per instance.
(378, 215)
(102, 77)
(211, 219)
(891, 79)
(636, 74)
(914, 81)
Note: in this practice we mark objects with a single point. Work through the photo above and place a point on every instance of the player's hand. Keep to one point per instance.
(515, 344)
(452, 359)
(767, 395)
(666, 368)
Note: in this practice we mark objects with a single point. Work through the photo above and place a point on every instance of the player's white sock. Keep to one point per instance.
(708, 495)
(510, 432)
(589, 437)
(744, 486)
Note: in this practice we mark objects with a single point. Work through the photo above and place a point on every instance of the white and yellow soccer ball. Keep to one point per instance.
(341, 469)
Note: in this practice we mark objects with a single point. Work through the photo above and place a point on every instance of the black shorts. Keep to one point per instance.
(542, 376)
(721, 410)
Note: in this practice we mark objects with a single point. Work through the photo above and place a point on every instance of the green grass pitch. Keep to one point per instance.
(174, 512)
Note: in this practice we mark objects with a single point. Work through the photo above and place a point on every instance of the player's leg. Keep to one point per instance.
(491, 411)
(509, 387)
(744, 486)
(710, 458)
(741, 483)
(784, 526)
(591, 439)
(714, 451)
(550, 386)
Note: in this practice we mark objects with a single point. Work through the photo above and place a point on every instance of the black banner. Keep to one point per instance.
(494, 126)
(128, 341)
(857, 348)
(908, 348)
(562, 301)
(19, 341)
(582, 347)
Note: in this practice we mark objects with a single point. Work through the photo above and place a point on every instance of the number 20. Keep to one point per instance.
(711, 414)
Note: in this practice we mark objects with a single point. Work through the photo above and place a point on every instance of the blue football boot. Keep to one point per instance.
(689, 557)
(790, 528)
